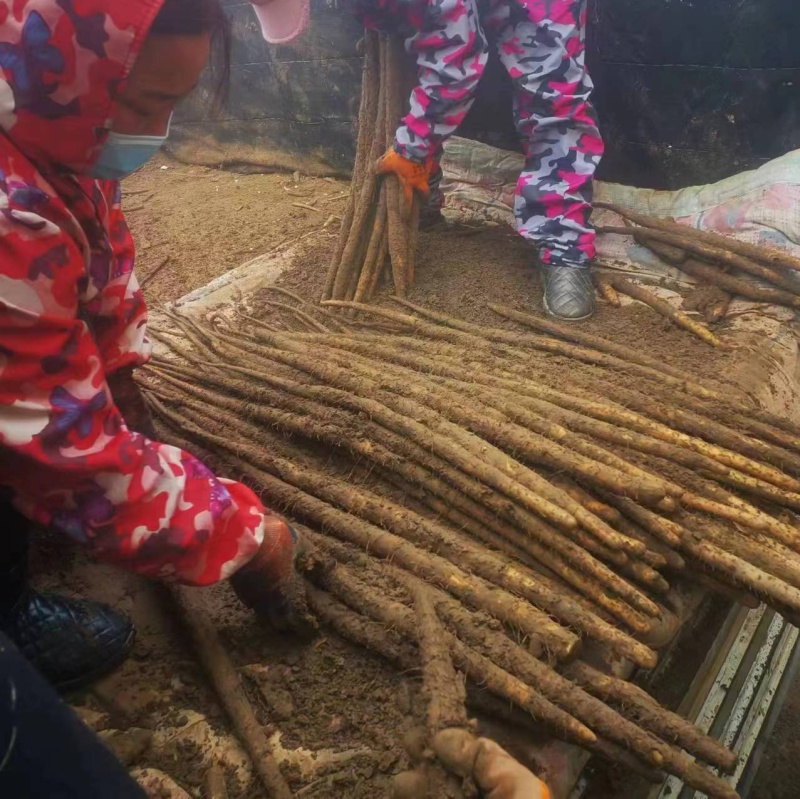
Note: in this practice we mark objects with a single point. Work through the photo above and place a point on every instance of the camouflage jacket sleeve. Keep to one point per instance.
(451, 51)
(67, 459)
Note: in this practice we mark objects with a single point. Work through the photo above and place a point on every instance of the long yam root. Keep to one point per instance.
(349, 589)
(665, 309)
(745, 413)
(225, 679)
(376, 637)
(701, 270)
(607, 291)
(444, 689)
(366, 115)
(626, 356)
(637, 704)
(398, 235)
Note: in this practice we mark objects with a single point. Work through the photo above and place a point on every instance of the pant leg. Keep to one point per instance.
(542, 45)
(45, 750)
(14, 533)
(451, 52)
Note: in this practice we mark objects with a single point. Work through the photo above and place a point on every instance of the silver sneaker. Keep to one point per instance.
(568, 292)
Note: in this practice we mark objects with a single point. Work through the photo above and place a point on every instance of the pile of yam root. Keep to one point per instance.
(443, 469)
(733, 268)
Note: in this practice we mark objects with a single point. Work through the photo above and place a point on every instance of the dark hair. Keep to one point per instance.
(194, 17)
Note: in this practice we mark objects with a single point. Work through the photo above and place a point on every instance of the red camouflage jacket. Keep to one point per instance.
(71, 312)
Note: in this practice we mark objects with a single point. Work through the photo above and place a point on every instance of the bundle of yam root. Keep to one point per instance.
(434, 463)
(734, 268)
(379, 229)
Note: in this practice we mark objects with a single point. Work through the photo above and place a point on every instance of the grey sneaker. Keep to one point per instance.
(568, 292)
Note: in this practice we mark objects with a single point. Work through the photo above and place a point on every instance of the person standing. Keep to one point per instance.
(447, 41)
(451, 52)
(541, 43)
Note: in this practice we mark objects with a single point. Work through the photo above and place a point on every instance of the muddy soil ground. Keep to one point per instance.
(337, 713)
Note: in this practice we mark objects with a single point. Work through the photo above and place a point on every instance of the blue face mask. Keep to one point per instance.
(123, 154)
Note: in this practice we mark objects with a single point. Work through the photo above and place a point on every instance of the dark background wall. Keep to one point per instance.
(695, 90)
(688, 91)
(290, 106)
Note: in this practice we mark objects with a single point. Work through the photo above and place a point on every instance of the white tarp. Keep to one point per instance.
(762, 206)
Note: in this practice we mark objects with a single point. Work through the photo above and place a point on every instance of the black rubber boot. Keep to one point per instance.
(71, 642)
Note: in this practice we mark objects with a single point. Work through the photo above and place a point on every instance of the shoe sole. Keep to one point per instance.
(112, 664)
(565, 318)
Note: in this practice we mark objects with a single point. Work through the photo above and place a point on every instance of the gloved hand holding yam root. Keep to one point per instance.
(495, 771)
(270, 584)
(477, 760)
(412, 176)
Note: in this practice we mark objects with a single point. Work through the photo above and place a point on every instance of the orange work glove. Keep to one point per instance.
(412, 176)
(496, 773)
(502, 777)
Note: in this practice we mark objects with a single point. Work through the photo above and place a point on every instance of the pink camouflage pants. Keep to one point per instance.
(446, 39)
(542, 46)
